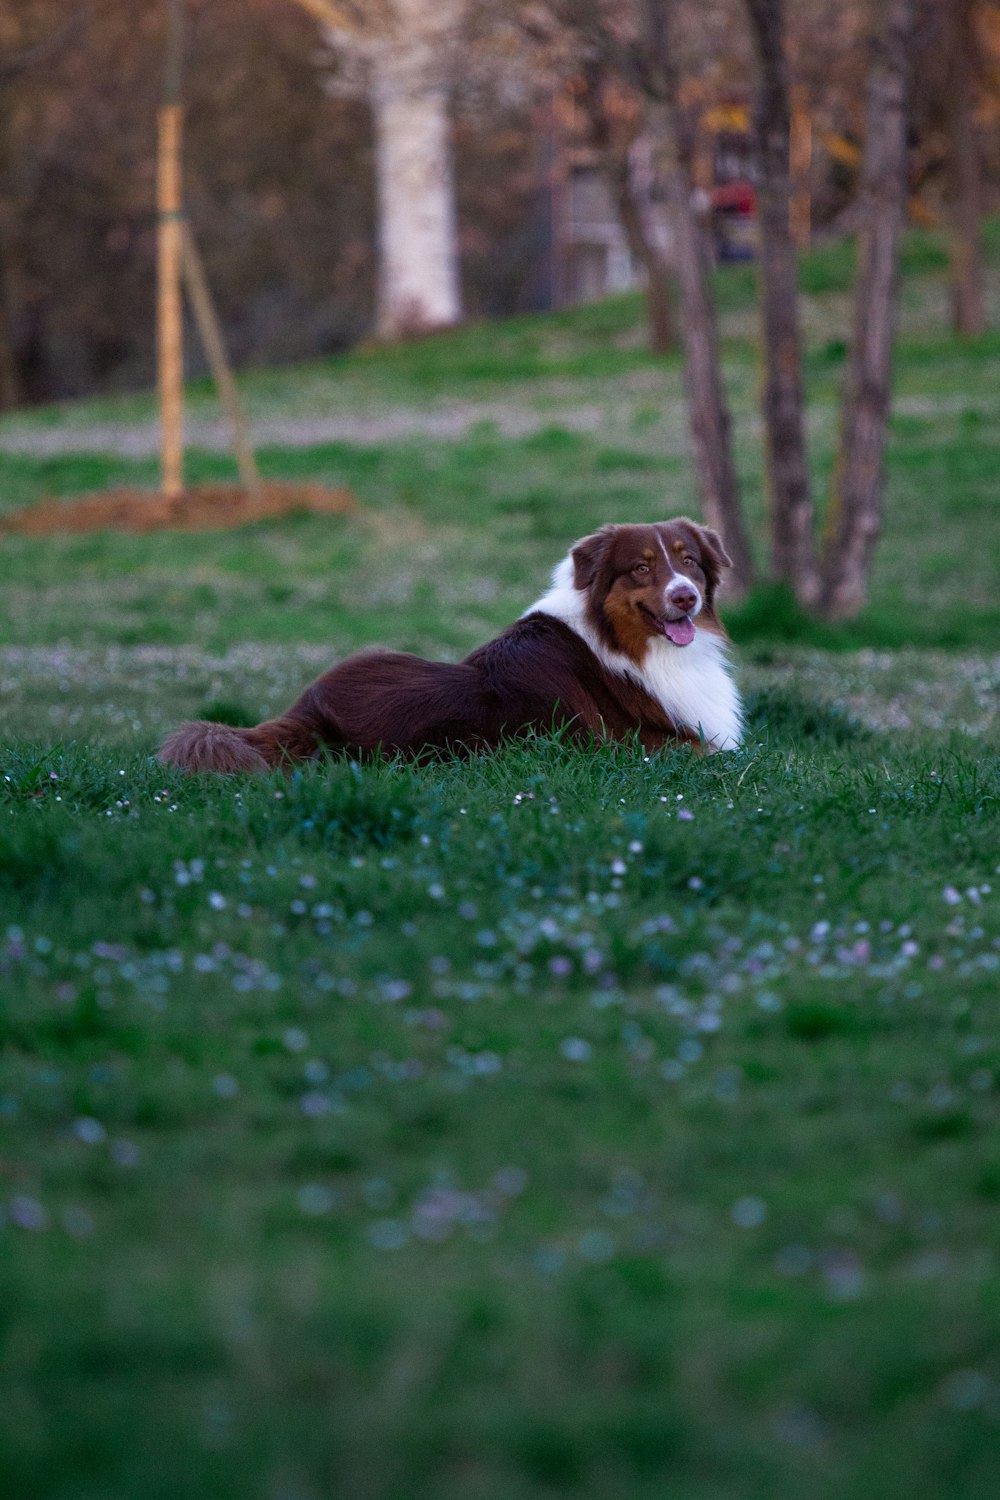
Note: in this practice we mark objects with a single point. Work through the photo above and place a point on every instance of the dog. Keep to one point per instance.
(625, 643)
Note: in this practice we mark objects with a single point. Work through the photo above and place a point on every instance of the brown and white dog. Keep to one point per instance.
(625, 642)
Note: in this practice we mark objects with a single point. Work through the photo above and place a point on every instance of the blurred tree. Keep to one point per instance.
(276, 186)
(793, 552)
(401, 55)
(278, 175)
(654, 69)
(644, 43)
(636, 43)
(572, 62)
(964, 72)
(612, 130)
(854, 519)
(28, 42)
(836, 583)
(280, 165)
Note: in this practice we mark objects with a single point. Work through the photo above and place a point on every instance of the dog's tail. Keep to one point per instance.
(202, 746)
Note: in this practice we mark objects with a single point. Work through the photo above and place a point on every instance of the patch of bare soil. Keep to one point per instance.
(203, 507)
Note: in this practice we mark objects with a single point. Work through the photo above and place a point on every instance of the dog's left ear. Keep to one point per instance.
(714, 547)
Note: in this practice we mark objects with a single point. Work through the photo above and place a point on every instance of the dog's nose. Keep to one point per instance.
(683, 598)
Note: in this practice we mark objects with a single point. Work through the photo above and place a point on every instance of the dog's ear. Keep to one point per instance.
(589, 556)
(713, 546)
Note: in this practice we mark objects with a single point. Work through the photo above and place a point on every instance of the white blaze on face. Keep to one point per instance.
(679, 581)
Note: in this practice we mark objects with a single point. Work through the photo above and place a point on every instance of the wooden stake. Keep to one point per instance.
(169, 207)
(170, 337)
(215, 350)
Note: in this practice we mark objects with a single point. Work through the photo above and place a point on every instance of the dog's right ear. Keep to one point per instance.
(589, 556)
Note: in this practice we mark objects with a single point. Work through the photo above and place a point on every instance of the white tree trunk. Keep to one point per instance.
(418, 286)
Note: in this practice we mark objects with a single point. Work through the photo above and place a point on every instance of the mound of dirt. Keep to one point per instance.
(203, 507)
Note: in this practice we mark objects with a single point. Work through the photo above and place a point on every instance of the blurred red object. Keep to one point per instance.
(735, 197)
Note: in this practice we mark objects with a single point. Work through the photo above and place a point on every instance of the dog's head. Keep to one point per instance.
(650, 582)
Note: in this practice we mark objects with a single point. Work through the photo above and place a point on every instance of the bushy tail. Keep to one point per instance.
(201, 746)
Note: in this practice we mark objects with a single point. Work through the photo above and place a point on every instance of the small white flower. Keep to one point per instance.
(748, 1213)
(90, 1131)
(315, 1199)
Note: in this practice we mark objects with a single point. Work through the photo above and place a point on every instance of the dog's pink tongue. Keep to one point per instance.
(681, 632)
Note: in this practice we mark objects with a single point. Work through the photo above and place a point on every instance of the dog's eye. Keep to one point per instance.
(690, 562)
(641, 568)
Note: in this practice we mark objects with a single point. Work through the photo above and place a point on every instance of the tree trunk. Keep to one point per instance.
(856, 502)
(793, 549)
(11, 389)
(418, 258)
(718, 485)
(968, 302)
(659, 309)
(613, 150)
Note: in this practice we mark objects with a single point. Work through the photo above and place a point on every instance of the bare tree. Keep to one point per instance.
(613, 144)
(708, 410)
(968, 303)
(634, 42)
(10, 377)
(793, 549)
(856, 502)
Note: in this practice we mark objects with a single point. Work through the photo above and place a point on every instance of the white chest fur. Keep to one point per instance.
(693, 684)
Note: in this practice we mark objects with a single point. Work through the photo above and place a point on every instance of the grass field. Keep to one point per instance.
(558, 1123)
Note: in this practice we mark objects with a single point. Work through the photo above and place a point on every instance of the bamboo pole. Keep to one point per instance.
(210, 333)
(339, 17)
(800, 164)
(169, 207)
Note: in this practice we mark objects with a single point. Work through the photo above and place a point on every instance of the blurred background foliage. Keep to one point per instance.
(279, 171)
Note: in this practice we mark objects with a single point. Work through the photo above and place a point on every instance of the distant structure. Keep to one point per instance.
(595, 254)
(589, 252)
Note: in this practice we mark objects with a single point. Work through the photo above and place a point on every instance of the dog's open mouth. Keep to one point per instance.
(681, 631)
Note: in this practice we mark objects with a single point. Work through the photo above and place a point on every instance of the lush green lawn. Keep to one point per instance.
(562, 1122)
(559, 1123)
(551, 426)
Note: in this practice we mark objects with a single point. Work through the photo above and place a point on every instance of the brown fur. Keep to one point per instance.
(537, 675)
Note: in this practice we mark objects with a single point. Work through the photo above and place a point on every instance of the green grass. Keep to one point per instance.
(492, 1130)
(557, 1123)
(418, 565)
